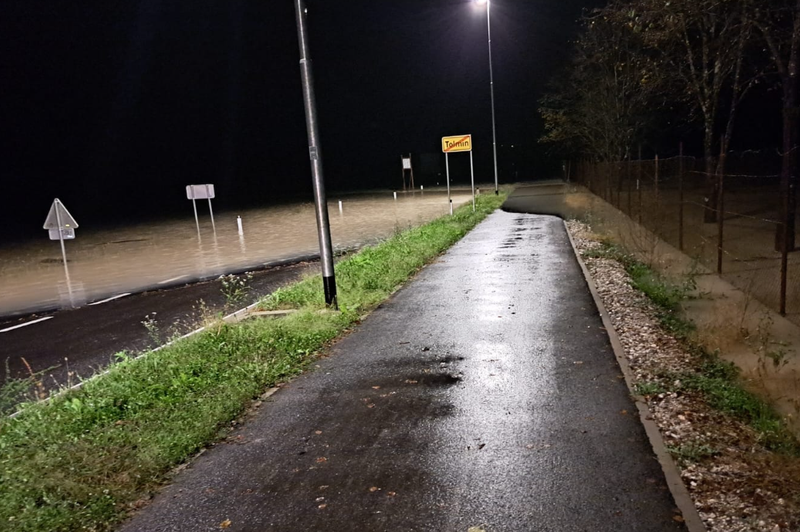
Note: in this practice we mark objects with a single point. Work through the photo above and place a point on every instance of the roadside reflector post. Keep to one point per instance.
(239, 225)
(395, 196)
(341, 209)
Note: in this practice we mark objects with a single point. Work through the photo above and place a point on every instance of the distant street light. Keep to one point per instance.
(488, 5)
(315, 154)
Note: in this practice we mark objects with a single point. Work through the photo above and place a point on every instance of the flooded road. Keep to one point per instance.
(107, 263)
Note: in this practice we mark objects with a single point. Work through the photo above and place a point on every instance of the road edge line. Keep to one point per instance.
(25, 324)
(683, 500)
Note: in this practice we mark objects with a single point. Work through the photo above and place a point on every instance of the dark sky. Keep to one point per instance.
(115, 106)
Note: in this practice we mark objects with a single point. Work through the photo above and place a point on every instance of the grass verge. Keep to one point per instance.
(84, 459)
(716, 380)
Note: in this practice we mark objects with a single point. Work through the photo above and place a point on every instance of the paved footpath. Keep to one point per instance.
(483, 394)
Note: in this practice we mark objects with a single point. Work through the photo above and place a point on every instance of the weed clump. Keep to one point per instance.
(718, 381)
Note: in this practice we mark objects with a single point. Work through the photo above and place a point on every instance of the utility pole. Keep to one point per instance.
(491, 87)
(315, 154)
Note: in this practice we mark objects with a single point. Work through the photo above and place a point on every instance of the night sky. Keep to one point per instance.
(115, 106)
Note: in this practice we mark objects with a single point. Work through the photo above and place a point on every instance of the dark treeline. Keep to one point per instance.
(650, 72)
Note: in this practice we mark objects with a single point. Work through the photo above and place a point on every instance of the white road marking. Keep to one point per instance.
(173, 279)
(26, 324)
(109, 299)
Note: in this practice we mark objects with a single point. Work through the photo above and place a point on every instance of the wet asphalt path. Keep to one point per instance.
(82, 340)
(483, 394)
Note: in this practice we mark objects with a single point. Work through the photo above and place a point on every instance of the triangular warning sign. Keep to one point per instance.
(59, 213)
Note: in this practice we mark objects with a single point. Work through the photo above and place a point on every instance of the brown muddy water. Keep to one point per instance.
(108, 263)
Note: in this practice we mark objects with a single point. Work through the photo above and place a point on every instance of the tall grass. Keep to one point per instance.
(716, 380)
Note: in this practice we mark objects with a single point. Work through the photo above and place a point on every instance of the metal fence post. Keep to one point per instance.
(655, 179)
(680, 197)
(630, 189)
(639, 182)
(720, 209)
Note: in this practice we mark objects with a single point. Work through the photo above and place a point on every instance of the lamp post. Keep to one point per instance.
(488, 5)
(315, 154)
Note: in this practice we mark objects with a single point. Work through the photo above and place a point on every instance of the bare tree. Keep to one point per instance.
(601, 105)
(702, 43)
(779, 24)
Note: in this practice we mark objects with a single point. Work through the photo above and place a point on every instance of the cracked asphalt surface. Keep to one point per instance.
(484, 393)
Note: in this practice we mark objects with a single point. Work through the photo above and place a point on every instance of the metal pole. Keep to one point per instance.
(721, 210)
(447, 171)
(680, 197)
(655, 179)
(315, 155)
(472, 179)
(196, 219)
(491, 88)
(211, 211)
(402, 160)
(628, 180)
(639, 182)
(785, 261)
(64, 252)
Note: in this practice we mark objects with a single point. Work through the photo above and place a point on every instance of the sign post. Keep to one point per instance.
(409, 169)
(196, 192)
(61, 226)
(459, 143)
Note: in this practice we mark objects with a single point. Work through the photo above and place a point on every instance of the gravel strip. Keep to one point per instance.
(736, 484)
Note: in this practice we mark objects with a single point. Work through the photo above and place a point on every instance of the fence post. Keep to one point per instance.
(785, 261)
(680, 197)
(628, 179)
(720, 208)
(788, 237)
(658, 197)
(656, 178)
(639, 182)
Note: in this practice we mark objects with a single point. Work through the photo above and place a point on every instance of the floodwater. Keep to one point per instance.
(107, 263)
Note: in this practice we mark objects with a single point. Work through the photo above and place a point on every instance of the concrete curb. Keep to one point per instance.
(683, 499)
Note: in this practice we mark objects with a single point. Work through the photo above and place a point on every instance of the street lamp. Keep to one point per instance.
(488, 5)
(315, 154)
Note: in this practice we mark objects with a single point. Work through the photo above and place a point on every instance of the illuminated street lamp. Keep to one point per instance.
(488, 5)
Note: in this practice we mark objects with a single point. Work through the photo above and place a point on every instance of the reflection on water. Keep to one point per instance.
(106, 263)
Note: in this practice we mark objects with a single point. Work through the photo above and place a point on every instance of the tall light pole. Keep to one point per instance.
(315, 154)
(488, 5)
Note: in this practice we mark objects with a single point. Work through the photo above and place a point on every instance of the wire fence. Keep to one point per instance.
(680, 201)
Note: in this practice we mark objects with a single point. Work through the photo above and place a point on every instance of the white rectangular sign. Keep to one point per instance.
(406, 164)
(199, 192)
(66, 234)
